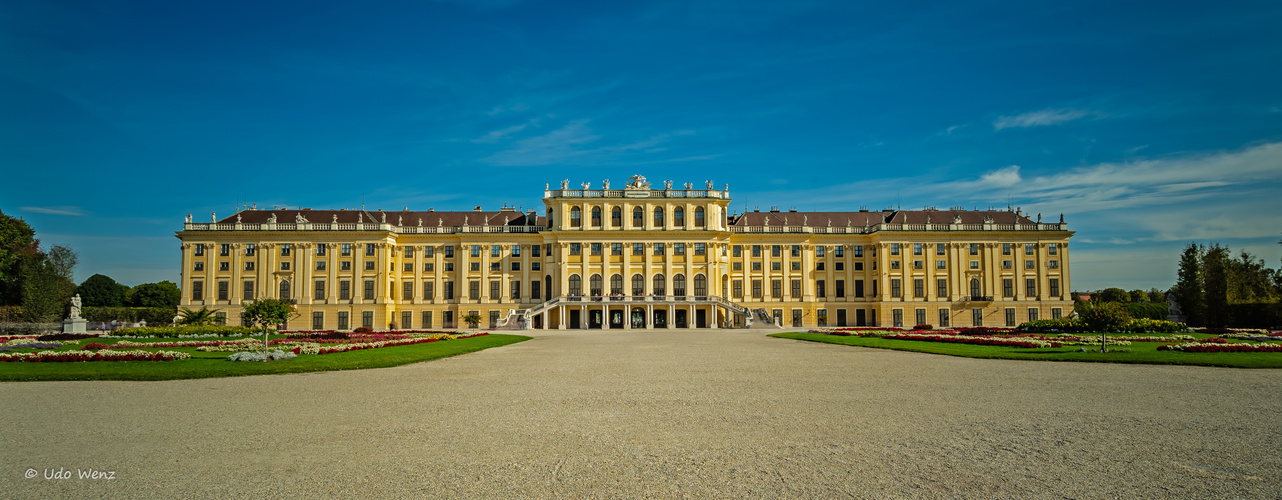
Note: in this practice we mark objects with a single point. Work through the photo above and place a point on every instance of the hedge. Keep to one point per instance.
(153, 315)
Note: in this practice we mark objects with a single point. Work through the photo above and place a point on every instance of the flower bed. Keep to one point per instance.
(125, 344)
(1209, 347)
(75, 356)
(967, 339)
(31, 345)
(355, 346)
(184, 331)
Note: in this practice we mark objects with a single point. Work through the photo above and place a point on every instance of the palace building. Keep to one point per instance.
(639, 257)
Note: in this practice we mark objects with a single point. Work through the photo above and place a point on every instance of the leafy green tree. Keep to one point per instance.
(1155, 295)
(1215, 285)
(101, 291)
(1188, 286)
(266, 313)
(46, 286)
(164, 294)
(1250, 280)
(1114, 295)
(472, 319)
(1139, 296)
(15, 235)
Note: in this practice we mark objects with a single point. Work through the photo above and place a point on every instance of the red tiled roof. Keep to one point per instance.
(403, 217)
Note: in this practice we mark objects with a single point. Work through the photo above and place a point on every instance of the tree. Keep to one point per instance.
(45, 282)
(1188, 286)
(199, 317)
(1114, 295)
(472, 319)
(1155, 295)
(164, 294)
(267, 312)
(1104, 318)
(1250, 280)
(1215, 285)
(15, 235)
(1139, 296)
(100, 291)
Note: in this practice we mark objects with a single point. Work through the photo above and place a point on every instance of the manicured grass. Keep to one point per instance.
(215, 364)
(1141, 352)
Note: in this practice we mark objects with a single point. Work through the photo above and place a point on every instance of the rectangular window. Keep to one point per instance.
(407, 320)
(1052, 264)
(536, 290)
(535, 250)
(249, 265)
(917, 249)
(346, 250)
(1052, 248)
(756, 250)
(894, 264)
(1008, 288)
(796, 289)
(678, 249)
(427, 319)
(447, 290)
(474, 289)
(344, 290)
(198, 249)
(943, 318)
(819, 266)
(776, 289)
(658, 249)
(1029, 249)
(197, 290)
(536, 266)
(367, 319)
(1030, 287)
(939, 249)
(1028, 264)
(369, 251)
(449, 251)
(776, 266)
(796, 265)
(369, 290)
(516, 266)
(1032, 314)
(1010, 317)
(737, 251)
(840, 288)
(616, 249)
(496, 251)
(320, 265)
(921, 316)
(369, 265)
(974, 248)
(897, 318)
(974, 264)
(447, 319)
(596, 249)
(576, 248)
(516, 250)
(821, 317)
(249, 291)
(820, 290)
(1005, 248)
(408, 267)
(320, 290)
(198, 266)
(285, 248)
(1057, 313)
(342, 320)
(859, 288)
(941, 288)
(700, 248)
(407, 252)
(407, 290)
(1006, 264)
(429, 290)
(819, 251)
(795, 251)
(250, 249)
(320, 249)
(429, 267)
(917, 264)
(894, 250)
(977, 317)
(919, 288)
(516, 289)
(756, 289)
(895, 288)
(1054, 284)
(776, 250)
(318, 320)
(476, 251)
(638, 249)
(737, 289)
(736, 266)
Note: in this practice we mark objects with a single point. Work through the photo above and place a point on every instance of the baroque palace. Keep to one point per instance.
(637, 257)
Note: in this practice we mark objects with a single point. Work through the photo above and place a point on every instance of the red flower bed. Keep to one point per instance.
(1234, 347)
(953, 339)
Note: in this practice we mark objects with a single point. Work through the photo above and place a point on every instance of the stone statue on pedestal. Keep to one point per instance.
(74, 323)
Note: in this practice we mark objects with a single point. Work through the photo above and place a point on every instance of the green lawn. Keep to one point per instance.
(1141, 352)
(215, 364)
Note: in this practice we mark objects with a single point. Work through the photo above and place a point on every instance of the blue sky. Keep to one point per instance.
(1147, 125)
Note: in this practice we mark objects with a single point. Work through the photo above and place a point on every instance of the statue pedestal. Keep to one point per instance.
(74, 325)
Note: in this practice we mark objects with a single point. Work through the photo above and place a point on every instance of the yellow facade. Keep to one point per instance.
(639, 257)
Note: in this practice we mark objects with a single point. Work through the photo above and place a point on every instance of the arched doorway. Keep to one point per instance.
(638, 317)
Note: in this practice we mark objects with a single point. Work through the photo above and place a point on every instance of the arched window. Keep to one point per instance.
(700, 286)
(638, 217)
(284, 289)
(616, 217)
(974, 289)
(576, 217)
(594, 284)
(576, 285)
(660, 285)
(616, 285)
(596, 216)
(638, 285)
(698, 218)
(679, 286)
(658, 217)
(679, 217)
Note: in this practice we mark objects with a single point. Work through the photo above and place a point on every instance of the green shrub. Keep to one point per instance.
(10, 314)
(1148, 310)
(174, 331)
(152, 315)
(1106, 317)
(1060, 325)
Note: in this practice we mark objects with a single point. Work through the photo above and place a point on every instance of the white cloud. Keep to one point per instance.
(59, 210)
(1040, 118)
(571, 144)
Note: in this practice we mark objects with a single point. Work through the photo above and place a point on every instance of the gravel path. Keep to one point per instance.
(709, 414)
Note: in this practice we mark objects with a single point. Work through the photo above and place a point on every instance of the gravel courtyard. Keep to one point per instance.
(659, 414)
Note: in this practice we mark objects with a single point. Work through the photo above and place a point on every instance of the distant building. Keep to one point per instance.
(639, 257)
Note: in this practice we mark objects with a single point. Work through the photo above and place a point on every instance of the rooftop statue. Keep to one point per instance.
(638, 182)
(238, 217)
(270, 220)
(188, 220)
(212, 218)
(335, 219)
(605, 184)
(398, 220)
(709, 185)
(384, 215)
(565, 183)
(299, 219)
(667, 184)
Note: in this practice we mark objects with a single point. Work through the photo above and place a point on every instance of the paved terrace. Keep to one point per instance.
(724, 414)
